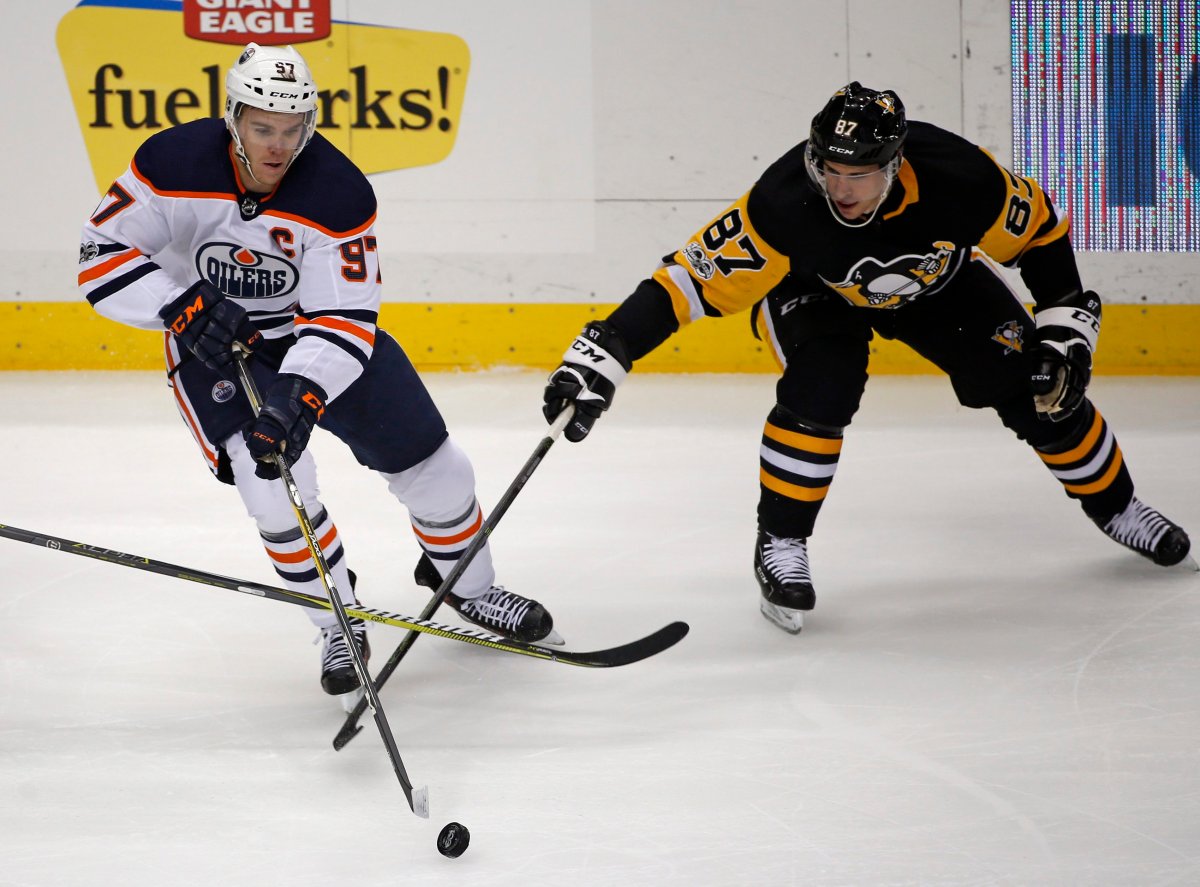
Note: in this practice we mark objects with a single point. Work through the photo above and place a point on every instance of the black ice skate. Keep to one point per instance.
(1144, 530)
(337, 666)
(497, 609)
(781, 567)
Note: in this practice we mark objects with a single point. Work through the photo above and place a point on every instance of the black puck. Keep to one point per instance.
(453, 839)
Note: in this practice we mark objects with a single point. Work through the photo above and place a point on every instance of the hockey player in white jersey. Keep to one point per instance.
(256, 231)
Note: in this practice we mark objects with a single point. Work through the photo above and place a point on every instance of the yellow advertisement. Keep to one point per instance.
(389, 98)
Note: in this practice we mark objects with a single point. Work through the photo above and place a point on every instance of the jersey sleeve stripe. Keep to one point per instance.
(119, 283)
(341, 326)
(110, 265)
(364, 315)
(685, 298)
(348, 347)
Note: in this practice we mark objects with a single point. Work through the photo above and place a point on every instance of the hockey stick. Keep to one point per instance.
(611, 657)
(350, 728)
(418, 799)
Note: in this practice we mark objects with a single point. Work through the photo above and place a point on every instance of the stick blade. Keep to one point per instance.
(419, 801)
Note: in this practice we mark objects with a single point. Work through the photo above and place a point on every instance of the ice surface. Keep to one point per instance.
(988, 693)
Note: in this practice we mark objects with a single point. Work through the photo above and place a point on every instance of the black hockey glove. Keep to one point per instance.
(593, 367)
(1062, 363)
(293, 406)
(208, 325)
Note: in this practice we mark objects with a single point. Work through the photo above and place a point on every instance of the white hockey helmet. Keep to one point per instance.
(271, 78)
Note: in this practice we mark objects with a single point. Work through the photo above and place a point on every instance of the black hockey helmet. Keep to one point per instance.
(859, 126)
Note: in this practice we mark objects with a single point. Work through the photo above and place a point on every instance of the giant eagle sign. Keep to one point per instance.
(389, 98)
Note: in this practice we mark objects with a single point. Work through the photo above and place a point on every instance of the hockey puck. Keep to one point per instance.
(453, 840)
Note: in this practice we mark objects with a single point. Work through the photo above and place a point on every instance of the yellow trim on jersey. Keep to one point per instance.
(1024, 211)
(792, 491)
(729, 262)
(826, 446)
(908, 181)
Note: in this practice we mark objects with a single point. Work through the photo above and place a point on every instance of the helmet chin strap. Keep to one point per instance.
(890, 177)
(239, 151)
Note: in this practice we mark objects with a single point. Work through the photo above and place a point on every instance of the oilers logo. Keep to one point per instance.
(223, 391)
(1010, 336)
(874, 284)
(243, 273)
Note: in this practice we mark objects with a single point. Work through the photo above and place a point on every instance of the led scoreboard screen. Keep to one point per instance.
(1106, 116)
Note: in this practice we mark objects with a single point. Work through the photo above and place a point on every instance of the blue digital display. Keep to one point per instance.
(1106, 117)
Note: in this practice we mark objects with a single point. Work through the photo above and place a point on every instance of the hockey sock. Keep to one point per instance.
(797, 461)
(292, 561)
(1091, 468)
(444, 541)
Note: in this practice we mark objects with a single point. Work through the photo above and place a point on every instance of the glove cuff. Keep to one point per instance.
(599, 348)
(1082, 324)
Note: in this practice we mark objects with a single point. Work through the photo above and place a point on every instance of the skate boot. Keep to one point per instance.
(497, 609)
(781, 567)
(1142, 529)
(337, 667)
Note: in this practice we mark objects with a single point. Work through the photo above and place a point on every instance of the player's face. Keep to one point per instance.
(854, 190)
(269, 140)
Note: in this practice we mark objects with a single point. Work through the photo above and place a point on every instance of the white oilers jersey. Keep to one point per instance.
(301, 260)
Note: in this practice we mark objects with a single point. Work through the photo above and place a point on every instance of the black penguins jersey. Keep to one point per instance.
(949, 198)
(301, 260)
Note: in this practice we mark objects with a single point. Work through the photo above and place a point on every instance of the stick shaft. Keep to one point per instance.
(349, 728)
(418, 800)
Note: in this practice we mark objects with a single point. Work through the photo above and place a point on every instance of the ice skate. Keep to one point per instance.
(1144, 530)
(781, 567)
(497, 609)
(338, 677)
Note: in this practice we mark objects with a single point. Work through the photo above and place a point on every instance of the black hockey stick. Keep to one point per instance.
(350, 728)
(611, 657)
(418, 799)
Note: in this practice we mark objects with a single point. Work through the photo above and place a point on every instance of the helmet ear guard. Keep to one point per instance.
(270, 78)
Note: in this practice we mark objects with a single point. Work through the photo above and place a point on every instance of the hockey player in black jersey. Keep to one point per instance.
(256, 231)
(875, 225)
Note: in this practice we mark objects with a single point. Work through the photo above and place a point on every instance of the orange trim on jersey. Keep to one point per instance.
(1079, 452)
(311, 224)
(297, 557)
(792, 491)
(457, 537)
(225, 195)
(908, 179)
(200, 195)
(1103, 483)
(342, 326)
(104, 267)
(187, 414)
(794, 439)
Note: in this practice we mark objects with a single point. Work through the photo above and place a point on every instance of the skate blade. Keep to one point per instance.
(350, 700)
(554, 639)
(786, 618)
(1188, 563)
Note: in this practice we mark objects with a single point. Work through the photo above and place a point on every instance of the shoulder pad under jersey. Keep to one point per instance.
(191, 157)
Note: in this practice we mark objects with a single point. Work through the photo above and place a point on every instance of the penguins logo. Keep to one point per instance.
(1009, 335)
(875, 284)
